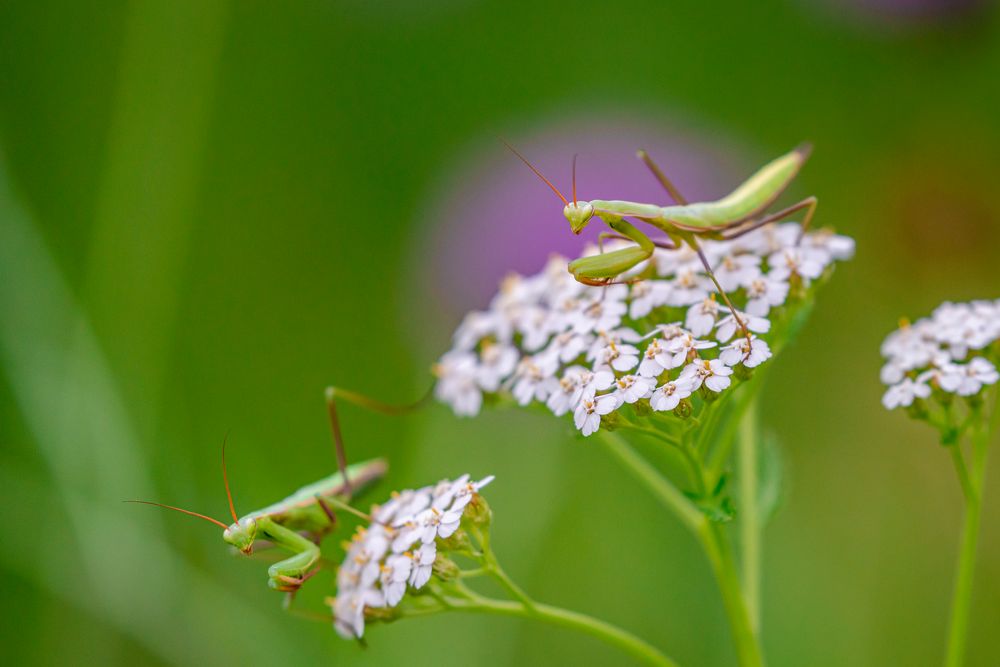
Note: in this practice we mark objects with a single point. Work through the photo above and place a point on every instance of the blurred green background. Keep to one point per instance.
(210, 210)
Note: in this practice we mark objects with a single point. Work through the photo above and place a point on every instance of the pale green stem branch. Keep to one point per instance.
(720, 554)
(749, 512)
(612, 635)
(492, 566)
(968, 490)
(712, 538)
(973, 492)
(662, 489)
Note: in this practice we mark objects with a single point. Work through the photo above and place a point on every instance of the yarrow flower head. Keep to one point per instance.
(953, 352)
(401, 547)
(660, 343)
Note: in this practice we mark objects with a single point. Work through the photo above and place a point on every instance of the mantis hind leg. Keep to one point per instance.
(725, 297)
(661, 177)
(332, 394)
(809, 203)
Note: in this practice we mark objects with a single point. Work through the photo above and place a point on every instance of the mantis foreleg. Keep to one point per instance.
(289, 574)
(666, 245)
(600, 270)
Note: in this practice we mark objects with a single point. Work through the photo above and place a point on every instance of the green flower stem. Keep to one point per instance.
(720, 553)
(664, 491)
(610, 634)
(962, 597)
(693, 466)
(972, 487)
(712, 537)
(723, 443)
(492, 566)
(749, 517)
(968, 490)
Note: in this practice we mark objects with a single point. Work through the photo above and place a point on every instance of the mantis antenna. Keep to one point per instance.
(225, 480)
(539, 174)
(178, 509)
(574, 179)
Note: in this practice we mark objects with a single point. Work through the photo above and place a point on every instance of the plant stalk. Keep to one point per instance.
(662, 489)
(612, 635)
(750, 523)
(712, 537)
(972, 490)
(720, 554)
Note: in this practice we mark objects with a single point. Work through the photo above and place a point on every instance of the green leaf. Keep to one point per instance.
(770, 477)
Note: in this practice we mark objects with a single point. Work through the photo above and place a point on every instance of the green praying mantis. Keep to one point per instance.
(299, 522)
(736, 214)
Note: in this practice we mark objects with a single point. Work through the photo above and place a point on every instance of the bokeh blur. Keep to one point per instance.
(209, 210)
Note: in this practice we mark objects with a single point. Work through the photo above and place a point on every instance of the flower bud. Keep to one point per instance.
(459, 541)
(478, 512)
(796, 287)
(383, 614)
(642, 408)
(611, 421)
(445, 569)
(684, 408)
(707, 394)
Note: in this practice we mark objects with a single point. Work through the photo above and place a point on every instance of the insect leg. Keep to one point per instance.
(666, 245)
(326, 510)
(661, 177)
(292, 586)
(725, 297)
(290, 573)
(809, 202)
(332, 393)
(608, 235)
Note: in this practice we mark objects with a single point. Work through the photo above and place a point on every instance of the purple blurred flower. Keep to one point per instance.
(910, 11)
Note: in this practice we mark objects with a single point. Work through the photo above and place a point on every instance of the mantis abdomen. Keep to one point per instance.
(302, 512)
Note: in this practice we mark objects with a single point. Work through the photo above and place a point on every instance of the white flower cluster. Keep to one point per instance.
(944, 351)
(398, 549)
(591, 350)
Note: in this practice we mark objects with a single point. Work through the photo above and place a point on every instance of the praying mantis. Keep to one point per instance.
(298, 523)
(738, 213)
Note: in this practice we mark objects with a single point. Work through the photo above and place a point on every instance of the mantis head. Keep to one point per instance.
(242, 534)
(578, 214)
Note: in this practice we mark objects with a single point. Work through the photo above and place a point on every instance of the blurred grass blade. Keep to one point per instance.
(64, 388)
